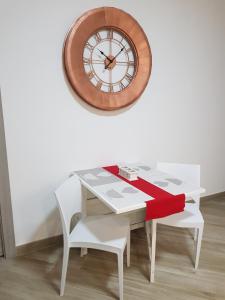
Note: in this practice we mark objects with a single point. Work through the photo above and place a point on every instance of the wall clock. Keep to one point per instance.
(107, 58)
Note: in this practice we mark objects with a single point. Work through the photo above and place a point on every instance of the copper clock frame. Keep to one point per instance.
(90, 22)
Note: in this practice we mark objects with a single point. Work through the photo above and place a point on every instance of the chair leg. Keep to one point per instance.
(120, 274)
(198, 246)
(195, 234)
(147, 230)
(128, 249)
(66, 251)
(83, 251)
(152, 274)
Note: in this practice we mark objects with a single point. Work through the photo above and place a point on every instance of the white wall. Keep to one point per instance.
(50, 132)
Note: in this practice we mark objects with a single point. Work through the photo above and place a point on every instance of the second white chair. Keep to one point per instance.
(109, 233)
(191, 217)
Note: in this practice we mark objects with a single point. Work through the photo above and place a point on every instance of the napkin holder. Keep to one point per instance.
(128, 173)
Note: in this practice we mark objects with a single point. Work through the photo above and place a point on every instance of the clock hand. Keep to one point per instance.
(106, 66)
(105, 55)
(119, 52)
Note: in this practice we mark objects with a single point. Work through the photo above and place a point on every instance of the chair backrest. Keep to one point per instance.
(68, 197)
(186, 172)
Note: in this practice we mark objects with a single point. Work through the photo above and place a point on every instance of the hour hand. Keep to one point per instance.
(105, 55)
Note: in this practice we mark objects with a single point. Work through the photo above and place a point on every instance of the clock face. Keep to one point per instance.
(109, 60)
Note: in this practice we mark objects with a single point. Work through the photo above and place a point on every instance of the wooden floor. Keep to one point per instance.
(36, 276)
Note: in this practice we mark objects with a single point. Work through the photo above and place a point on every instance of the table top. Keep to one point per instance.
(122, 197)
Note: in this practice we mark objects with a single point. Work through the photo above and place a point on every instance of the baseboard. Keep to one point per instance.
(39, 245)
(58, 240)
(212, 196)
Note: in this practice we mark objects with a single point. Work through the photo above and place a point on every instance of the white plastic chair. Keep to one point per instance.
(104, 232)
(191, 217)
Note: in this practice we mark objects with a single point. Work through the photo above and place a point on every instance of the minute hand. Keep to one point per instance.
(114, 57)
(118, 53)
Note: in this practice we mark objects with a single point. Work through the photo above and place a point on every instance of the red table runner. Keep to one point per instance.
(163, 204)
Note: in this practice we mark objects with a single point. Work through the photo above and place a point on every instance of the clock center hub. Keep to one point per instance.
(110, 63)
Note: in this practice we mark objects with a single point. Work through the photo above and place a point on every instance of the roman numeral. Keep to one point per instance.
(97, 37)
(128, 50)
(86, 61)
(90, 74)
(111, 88)
(131, 63)
(89, 46)
(122, 86)
(128, 77)
(110, 34)
(99, 85)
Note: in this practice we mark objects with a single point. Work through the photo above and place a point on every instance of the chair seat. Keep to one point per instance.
(107, 232)
(190, 217)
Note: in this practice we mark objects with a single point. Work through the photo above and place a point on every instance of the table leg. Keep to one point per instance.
(147, 230)
(152, 275)
(84, 251)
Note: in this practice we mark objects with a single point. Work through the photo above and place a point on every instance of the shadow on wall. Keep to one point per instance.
(52, 224)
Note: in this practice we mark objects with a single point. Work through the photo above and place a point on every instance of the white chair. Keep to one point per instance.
(105, 232)
(191, 217)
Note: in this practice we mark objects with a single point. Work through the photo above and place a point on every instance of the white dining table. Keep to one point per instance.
(121, 197)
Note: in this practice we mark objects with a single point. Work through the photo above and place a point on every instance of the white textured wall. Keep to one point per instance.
(49, 132)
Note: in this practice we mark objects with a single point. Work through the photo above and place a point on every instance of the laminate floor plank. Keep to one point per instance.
(36, 276)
